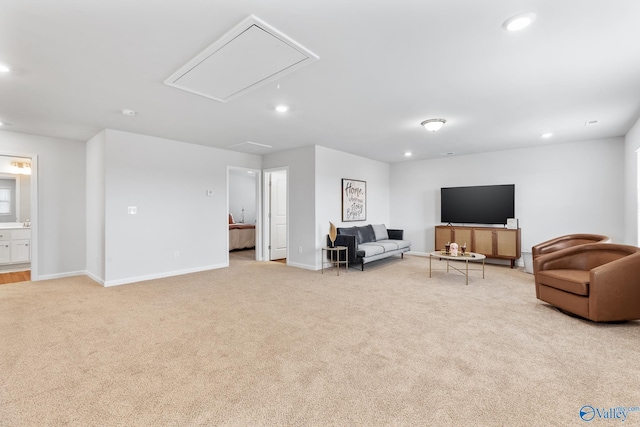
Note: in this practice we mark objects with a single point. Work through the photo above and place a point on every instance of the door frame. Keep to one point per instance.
(34, 208)
(266, 200)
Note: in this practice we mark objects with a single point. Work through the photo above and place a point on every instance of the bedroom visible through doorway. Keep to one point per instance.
(243, 207)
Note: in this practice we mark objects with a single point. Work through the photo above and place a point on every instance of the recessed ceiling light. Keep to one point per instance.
(127, 112)
(1, 123)
(408, 154)
(449, 153)
(519, 22)
(546, 135)
(4, 69)
(591, 123)
(282, 108)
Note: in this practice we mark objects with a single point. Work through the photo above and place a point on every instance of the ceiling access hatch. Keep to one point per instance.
(249, 56)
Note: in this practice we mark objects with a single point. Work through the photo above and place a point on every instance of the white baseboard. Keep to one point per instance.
(58, 275)
(304, 266)
(126, 281)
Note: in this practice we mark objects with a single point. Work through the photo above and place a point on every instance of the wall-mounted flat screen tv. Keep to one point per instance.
(483, 204)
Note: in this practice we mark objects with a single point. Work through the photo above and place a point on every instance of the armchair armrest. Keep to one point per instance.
(395, 234)
(614, 289)
(570, 258)
(567, 241)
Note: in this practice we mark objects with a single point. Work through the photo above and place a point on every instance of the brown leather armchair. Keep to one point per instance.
(597, 281)
(566, 242)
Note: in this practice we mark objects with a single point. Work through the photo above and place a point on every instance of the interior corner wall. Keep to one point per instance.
(331, 167)
(179, 191)
(560, 189)
(61, 201)
(301, 203)
(632, 145)
(95, 188)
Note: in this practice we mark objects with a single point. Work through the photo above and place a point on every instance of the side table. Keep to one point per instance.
(334, 257)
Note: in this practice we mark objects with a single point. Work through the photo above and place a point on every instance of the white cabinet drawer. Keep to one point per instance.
(17, 234)
(5, 235)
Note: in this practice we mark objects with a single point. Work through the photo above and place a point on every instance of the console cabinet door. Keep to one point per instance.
(507, 243)
(483, 241)
(443, 236)
(462, 236)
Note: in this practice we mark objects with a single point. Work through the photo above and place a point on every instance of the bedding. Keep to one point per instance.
(241, 236)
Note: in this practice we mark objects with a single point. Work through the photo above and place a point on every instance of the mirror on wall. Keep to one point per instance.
(15, 189)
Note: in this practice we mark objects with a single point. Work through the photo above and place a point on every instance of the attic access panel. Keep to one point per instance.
(249, 56)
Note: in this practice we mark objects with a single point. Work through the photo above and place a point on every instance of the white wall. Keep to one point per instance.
(315, 180)
(632, 145)
(560, 189)
(242, 195)
(300, 192)
(177, 228)
(96, 206)
(331, 167)
(61, 217)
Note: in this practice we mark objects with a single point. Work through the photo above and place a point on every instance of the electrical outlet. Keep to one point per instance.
(176, 255)
(132, 210)
(299, 249)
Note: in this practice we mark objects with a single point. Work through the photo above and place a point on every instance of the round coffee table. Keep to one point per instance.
(468, 256)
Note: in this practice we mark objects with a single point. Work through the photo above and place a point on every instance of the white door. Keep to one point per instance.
(278, 215)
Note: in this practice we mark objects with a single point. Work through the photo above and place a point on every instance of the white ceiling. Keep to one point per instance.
(384, 67)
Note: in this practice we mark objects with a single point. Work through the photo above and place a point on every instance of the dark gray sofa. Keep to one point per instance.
(371, 242)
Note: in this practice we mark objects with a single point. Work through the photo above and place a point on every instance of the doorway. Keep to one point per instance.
(244, 208)
(18, 173)
(276, 214)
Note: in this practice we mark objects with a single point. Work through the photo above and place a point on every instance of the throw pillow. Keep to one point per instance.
(380, 231)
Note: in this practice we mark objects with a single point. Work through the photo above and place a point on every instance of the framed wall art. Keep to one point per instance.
(354, 200)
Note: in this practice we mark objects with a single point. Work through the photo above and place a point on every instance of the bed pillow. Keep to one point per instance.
(231, 221)
(380, 231)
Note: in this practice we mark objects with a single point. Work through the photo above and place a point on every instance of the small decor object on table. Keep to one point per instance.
(447, 247)
(463, 248)
(333, 233)
(454, 249)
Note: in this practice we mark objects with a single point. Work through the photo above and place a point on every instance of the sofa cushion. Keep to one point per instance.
(399, 244)
(366, 234)
(369, 249)
(574, 281)
(380, 231)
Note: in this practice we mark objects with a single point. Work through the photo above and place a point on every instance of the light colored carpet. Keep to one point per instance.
(265, 344)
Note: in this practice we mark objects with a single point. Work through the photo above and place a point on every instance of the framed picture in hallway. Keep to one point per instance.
(354, 200)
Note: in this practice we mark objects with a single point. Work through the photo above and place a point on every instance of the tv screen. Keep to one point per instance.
(484, 204)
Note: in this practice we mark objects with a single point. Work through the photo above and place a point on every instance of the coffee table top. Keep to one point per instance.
(470, 256)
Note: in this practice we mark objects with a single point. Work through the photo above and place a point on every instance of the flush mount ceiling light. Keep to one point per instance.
(546, 135)
(282, 108)
(519, 22)
(128, 112)
(4, 69)
(433, 125)
(408, 154)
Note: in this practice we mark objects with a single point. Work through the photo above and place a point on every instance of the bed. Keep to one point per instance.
(241, 236)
